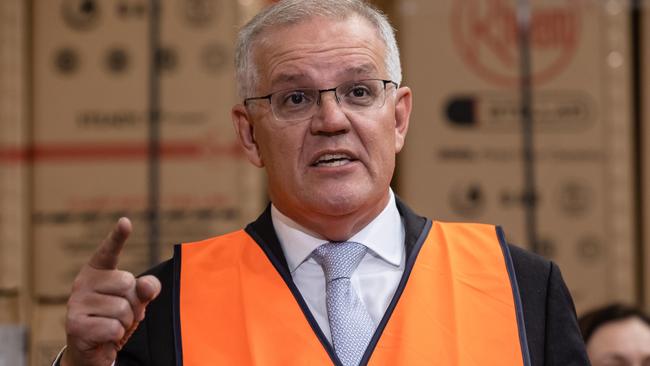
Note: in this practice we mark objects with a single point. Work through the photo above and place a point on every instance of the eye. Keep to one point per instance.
(295, 98)
(359, 91)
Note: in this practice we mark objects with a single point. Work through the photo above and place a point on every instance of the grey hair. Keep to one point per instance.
(287, 12)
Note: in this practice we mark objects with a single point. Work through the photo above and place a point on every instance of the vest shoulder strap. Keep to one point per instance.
(460, 305)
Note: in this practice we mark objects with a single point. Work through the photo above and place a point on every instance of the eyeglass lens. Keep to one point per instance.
(352, 96)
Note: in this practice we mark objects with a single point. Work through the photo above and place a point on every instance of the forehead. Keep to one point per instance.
(625, 337)
(320, 51)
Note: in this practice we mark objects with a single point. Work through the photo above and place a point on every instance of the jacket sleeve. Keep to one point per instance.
(152, 344)
(136, 351)
(564, 343)
(549, 314)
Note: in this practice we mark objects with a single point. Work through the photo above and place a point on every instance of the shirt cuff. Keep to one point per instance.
(57, 360)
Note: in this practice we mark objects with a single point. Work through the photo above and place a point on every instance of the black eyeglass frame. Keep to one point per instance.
(320, 91)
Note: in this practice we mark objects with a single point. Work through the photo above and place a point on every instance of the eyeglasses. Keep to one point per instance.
(301, 104)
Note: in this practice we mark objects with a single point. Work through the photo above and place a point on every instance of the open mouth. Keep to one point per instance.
(333, 160)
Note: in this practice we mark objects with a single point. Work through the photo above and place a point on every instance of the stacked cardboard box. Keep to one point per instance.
(13, 244)
(91, 108)
(463, 161)
(91, 133)
(645, 148)
(12, 142)
(46, 340)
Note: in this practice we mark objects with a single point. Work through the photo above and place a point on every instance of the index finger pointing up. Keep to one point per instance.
(108, 252)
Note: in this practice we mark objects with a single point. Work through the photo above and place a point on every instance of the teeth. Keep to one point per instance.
(332, 157)
(333, 160)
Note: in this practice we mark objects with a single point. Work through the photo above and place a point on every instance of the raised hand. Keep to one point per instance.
(106, 304)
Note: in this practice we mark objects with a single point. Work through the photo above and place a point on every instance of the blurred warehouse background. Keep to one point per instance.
(92, 128)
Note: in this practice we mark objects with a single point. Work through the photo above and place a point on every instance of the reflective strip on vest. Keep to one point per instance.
(457, 306)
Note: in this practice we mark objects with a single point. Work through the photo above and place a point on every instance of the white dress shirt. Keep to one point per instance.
(375, 279)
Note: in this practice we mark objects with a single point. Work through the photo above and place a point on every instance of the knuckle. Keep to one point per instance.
(73, 325)
(124, 307)
(78, 283)
(126, 280)
(115, 329)
(74, 309)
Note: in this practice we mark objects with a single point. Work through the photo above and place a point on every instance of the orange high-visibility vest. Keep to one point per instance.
(457, 304)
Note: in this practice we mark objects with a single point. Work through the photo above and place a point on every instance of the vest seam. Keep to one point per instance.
(176, 299)
(288, 280)
(519, 313)
(408, 267)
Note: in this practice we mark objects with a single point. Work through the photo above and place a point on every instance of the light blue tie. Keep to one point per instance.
(350, 322)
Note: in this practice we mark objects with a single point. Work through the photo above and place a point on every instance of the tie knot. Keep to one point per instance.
(339, 259)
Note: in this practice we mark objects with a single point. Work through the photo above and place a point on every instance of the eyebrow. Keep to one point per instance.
(363, 69)
(289, 78)
(366, 69)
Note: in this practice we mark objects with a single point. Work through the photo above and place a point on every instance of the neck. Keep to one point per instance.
(335, 227)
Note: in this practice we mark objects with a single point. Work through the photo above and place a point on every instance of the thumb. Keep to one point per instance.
(147, 288)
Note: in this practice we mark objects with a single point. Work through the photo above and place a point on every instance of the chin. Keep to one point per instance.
(335, 207)
(338, 203)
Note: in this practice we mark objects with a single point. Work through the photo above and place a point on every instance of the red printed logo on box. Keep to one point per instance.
(485, 33)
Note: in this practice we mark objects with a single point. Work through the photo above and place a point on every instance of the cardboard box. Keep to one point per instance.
(463, 160)
(47, 333)
(9, 307)
(90, 88)
(213, 189)
(645, 148)
(13, 131)
(91, 162)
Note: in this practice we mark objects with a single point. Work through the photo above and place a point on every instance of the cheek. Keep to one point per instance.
(386, 152)
(384, 143)
(280, 149)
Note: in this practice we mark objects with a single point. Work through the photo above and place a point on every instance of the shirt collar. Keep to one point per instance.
(380, 236)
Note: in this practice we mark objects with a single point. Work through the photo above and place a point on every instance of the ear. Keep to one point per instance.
(403, 105)
(245, 130)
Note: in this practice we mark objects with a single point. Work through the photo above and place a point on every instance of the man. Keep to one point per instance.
(337, 270)
(617, 334)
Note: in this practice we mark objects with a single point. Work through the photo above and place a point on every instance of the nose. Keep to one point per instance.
(330, 119)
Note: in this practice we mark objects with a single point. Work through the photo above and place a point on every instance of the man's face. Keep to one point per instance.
(333, 169)
(620, 343)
